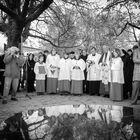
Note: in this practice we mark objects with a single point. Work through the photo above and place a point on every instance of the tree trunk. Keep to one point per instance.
(14, 33)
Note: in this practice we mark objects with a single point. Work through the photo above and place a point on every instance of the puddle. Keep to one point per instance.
(73, 122)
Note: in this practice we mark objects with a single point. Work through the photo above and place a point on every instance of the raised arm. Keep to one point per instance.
(8, 58)
(20, 61)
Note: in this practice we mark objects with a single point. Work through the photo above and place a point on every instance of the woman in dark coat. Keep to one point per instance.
(30, 73)
(128, 73)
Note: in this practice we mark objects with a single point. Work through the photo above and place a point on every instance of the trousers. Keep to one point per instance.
(9, 81)
(135, 91)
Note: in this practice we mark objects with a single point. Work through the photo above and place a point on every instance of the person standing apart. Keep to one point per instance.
(77, 74)
(40, 70)
(116, 77)
(128, 75)
(84, 57)
(136, 76)
(53, 71)
(46, 53)
(2, 69)
(30, 63)
(64, 77)
(13, 61)
(93, 72)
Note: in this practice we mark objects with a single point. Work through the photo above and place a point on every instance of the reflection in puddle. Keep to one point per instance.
(72, 122)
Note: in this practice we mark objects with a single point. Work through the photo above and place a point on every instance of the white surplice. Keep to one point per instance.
(116, 73)
(64, 69)
(93, 68)
(77, 69)
(52, 62)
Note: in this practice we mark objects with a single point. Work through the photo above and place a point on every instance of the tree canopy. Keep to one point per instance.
(70, 23)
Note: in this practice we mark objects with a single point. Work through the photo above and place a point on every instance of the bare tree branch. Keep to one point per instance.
(115, 3)
(47, 40)
(9, 12)
(42, 7)
(130, 17)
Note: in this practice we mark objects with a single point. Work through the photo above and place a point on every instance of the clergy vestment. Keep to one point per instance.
(64, 75)
(77, 76)
(117, 79)
(104, 63)
(40, 70)
(93, 73)
(52, 74)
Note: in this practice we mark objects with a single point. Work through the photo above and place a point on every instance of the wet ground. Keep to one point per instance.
(57, 117)
(24, 103)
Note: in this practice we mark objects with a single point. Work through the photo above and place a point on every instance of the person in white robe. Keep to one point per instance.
(53, 71)
(116, 77)
(104, 63)
(40, 70)
(77, 74)
(93, 72)
(64, 77)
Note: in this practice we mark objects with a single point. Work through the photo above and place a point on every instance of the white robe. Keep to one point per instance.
(52, 61)
(116, 73)
(36, 70)
(93, 71)
(78, 74)
(105, 69)
(64, 69)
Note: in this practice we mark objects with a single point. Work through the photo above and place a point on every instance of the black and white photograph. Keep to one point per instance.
(69, 69)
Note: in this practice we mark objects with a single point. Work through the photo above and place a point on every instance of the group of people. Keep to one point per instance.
(112, 73)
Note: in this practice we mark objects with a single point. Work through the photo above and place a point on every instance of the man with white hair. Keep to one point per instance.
(13, 62)
(104, 63)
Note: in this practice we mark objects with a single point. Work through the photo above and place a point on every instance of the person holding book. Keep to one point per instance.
(40, 70)
(53, 71)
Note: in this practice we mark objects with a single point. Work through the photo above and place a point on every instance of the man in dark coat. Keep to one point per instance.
(2, 69)
(84, 57)
(127, 59)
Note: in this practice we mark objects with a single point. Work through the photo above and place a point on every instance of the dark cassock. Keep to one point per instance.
(2, 69)
(30, 75)
(84, 57)
(128, 74)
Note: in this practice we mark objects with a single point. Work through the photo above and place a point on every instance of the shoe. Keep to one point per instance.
(14, 99)
(4, 101)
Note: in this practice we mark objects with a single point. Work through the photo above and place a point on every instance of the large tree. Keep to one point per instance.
(17, 15)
